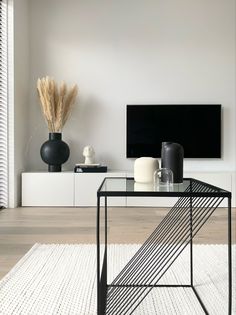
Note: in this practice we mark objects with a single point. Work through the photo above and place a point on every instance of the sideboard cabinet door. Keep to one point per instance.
(48, 189)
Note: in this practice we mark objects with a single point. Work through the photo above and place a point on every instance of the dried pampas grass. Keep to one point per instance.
(56, 102)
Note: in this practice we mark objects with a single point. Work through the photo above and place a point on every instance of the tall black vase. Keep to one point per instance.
(54, 152)
(172, 156)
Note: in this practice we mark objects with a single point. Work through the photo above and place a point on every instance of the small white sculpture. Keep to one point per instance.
(144, 169)
(89, 154)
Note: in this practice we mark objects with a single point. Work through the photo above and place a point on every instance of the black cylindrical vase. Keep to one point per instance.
(54, 152)
(172, 156)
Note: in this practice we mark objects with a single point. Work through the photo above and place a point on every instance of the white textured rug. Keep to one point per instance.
(61, 279)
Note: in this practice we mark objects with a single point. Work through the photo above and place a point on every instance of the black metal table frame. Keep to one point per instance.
(102, 285)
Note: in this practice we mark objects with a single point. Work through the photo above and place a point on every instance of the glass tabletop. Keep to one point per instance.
(122, 186)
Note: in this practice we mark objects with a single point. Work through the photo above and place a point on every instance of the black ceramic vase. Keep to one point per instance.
(172, 156)
(54, 152)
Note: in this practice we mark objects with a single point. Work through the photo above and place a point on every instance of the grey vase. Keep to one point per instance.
(172, 157)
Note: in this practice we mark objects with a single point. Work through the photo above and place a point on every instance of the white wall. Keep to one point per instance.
(131, 52)
(19, 96)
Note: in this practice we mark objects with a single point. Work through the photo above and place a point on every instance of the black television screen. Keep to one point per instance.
(196, 127)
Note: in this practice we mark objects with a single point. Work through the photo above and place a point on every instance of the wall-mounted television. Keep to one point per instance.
(196, 127)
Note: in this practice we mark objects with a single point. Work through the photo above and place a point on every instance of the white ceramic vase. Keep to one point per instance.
(144, 169)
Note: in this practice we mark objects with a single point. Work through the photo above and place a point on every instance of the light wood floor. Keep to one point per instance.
(22, 227)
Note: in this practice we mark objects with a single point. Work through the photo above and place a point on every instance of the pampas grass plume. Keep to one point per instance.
(56, 102)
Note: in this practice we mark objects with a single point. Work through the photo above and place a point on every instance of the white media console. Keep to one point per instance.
(68, 189)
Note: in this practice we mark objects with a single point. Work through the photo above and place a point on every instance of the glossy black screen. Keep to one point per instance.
(196, 127)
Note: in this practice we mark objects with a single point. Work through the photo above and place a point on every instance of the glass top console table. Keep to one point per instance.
(197, 201)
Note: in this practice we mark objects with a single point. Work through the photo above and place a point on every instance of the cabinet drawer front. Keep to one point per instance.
(47, 189)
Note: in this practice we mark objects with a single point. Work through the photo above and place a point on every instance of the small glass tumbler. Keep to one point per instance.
(163, 177)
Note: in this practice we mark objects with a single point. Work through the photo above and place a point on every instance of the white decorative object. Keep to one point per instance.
(89, 154)
(144, 169)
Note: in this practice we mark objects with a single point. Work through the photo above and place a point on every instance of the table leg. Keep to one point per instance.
(101, 262)
(191, 242)
(104, 271)
(106, 232)
(229, 258)
(98, 255)
(191, 235)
